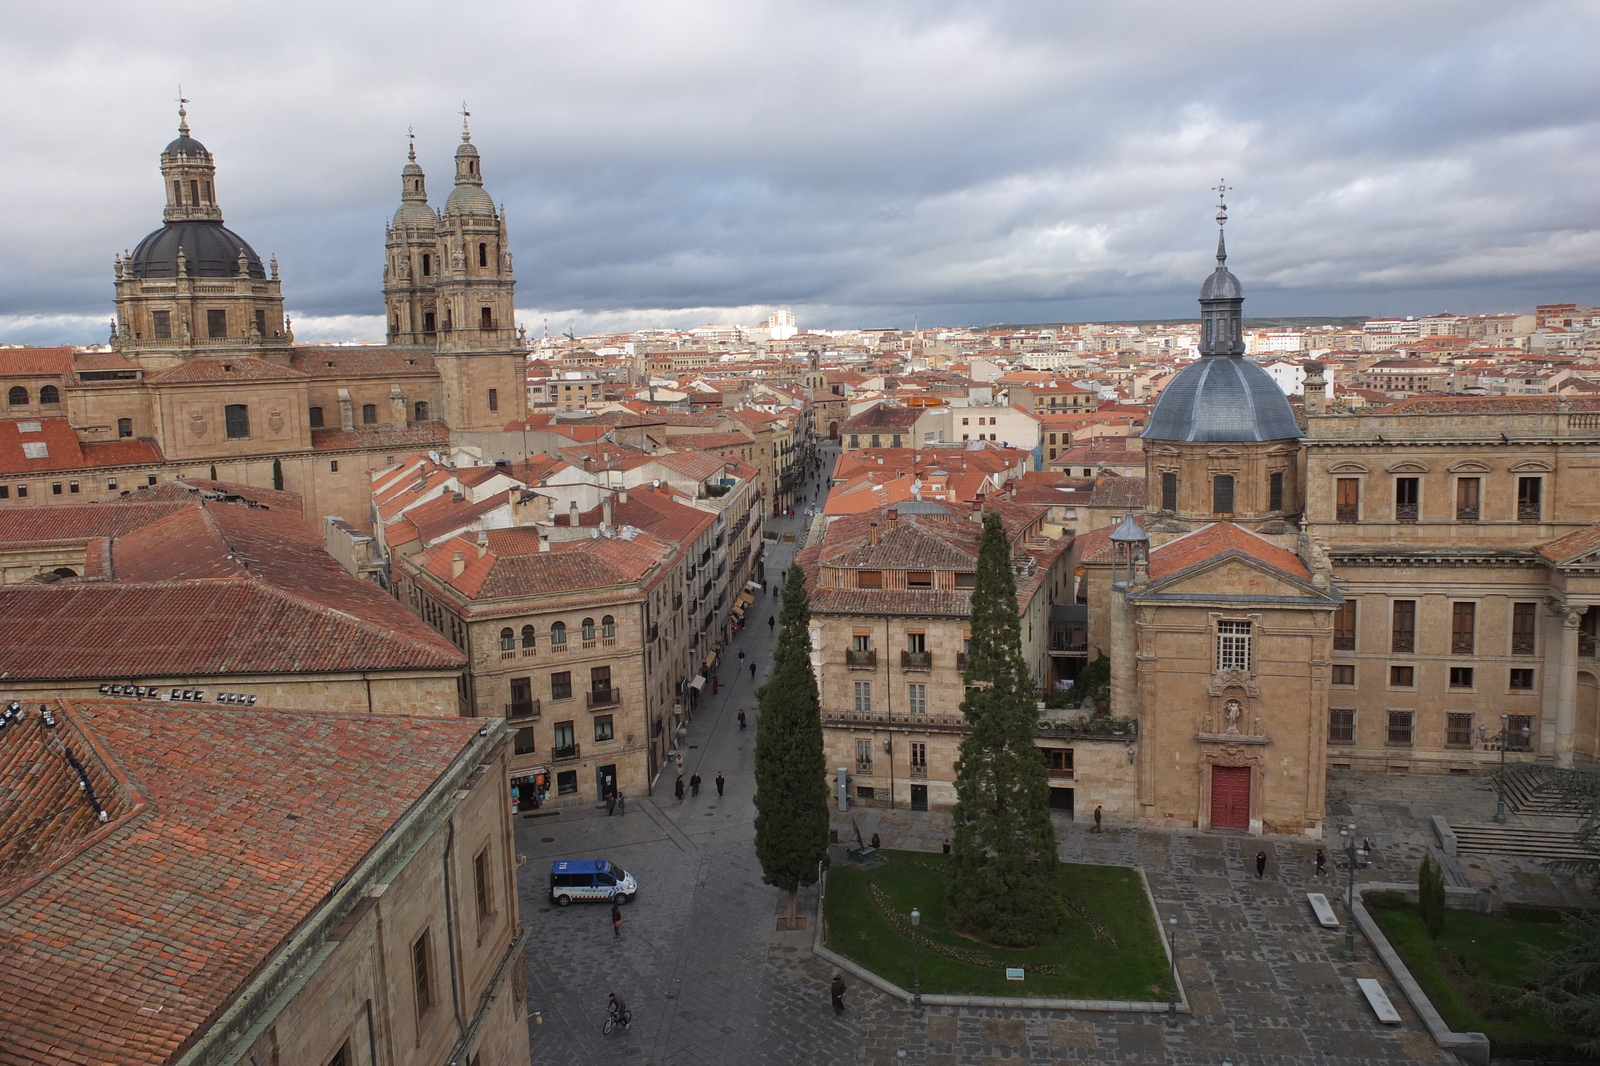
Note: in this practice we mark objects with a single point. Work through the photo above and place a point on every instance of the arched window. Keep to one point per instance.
(427, 265)
(369, 413)
(558, 633)
(49, 394)
(17, 397)
(608, 627)
(483, 254)
(421, 410)
(124, 427)
(486, 319)
(588, 629)
(527, 636)
(508, 639)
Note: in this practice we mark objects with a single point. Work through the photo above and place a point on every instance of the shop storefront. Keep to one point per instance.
(529, 789)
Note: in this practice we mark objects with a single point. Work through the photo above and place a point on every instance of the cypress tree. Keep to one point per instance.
(1430, 895)
(277, 474)
(791, 773)
(1003, 866)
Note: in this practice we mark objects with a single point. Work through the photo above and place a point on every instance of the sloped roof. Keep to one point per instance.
(420, 435)
(35, 362)
(227, 830)
(883, 417)
(226, 369)
(1219, 539)
(1573, 546)
(513, 565)
(358, 360)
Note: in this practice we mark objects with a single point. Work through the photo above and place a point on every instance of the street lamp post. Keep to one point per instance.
(1500, 778)
(1172, 976)
(1349, 834)
(916, 958)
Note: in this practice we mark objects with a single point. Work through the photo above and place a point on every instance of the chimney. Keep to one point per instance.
(572, 514)
(623, 496)
(605, 511)
(872, 534)
(1316, 387)
(483, 543)
(890, 517)
(544, 541)
(457, 564)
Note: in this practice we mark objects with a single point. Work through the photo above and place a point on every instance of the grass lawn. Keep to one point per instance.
(1473, 971)
(1125, 962)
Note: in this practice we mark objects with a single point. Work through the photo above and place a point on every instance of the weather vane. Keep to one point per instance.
(1222, 189)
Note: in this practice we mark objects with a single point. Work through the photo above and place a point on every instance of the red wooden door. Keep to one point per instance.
(1230, 797)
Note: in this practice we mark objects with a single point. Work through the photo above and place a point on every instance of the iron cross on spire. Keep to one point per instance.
(411, 135)
(1222, 189)
(465, 114)
(183, 116)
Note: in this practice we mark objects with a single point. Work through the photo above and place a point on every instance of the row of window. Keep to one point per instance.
(566, 740)
(1400, 729)
(1461, 678)
(1463, 627)
(424, 983)
(560, 689)
(17, 396)
(1222, 492)
(558, 633)
(916, 698)
(216, 323)
(59, 488)
(1408, 499)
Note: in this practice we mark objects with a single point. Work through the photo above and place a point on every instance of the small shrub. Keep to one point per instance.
(1384, 900)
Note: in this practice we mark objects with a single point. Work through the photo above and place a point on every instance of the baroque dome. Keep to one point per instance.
(1222, 398)
(210, 250)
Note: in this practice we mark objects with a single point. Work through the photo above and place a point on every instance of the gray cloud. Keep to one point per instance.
(866, 164)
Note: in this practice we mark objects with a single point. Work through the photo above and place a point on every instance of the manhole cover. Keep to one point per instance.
(547, 840)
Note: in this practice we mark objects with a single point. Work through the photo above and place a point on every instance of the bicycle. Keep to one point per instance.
(623, 1018)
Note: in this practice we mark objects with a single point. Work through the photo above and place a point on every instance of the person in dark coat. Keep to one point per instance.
(611, 803)
(678, 788)
(771, 622)
(1261, 865)
(1096, 828)
(694, 784)
(752, 671)
(616, 920)
(1322, 863)
(836, 991)
(720, 782)
(741, 717)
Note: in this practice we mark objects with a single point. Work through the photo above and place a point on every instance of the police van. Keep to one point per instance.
(590, 880)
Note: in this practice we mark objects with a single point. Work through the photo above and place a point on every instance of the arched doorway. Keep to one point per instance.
(833, 431)
(1586, 727)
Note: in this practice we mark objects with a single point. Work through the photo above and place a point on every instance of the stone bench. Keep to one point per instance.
(1379, 1001)
(1323, 910)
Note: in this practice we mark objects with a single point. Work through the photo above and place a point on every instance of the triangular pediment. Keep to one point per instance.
(1234, 576)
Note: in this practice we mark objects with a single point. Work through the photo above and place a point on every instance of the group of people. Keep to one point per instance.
(694, 779)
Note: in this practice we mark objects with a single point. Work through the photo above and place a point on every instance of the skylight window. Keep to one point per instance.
(30, 427)
(35, 449)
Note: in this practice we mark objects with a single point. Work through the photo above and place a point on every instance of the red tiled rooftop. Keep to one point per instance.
(1218, 539)
(225, 369)
(35, 362)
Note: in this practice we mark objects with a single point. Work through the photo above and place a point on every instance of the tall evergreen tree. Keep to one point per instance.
(791, 772)
(1003, 849)
(277, 474)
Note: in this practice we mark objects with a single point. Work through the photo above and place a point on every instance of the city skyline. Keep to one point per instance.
(864, 167)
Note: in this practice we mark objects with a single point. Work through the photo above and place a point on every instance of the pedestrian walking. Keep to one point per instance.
(741, 717)
(622, 804)
(694, 784)
(616, 920)
(947, 847)
(1261, 865)
(752, 672)
(836, 991)
(1322, 863)
(741, 658)
(611, 803)
(678, 788)
(1096, 828)
(771, 622)
(720, 782)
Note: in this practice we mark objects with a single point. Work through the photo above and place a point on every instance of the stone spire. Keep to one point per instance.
(1222, 297)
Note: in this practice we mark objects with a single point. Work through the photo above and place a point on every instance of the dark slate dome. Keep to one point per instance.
(210, 249)
(1221, 285)
(1222, 398)
(186, 145)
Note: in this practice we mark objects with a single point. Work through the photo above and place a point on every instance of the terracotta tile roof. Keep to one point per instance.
(1094, 546)
(883, 417)
(698, 465)
(228, 830)
(130, 451)
(382, 435)
(226, 369)
(938, 542)
(1573, 546)
(513, 565)
(359, 360)
(708, 441)
(77, 523)
(1480, 405)
(1124, 492)
(1220, 539)
(35, 362)
(35, 445)
(658, 512)
(91, 361)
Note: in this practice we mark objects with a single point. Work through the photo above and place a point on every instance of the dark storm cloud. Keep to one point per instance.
(862, 163)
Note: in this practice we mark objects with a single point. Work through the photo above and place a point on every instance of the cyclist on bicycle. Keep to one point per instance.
(615, 1007)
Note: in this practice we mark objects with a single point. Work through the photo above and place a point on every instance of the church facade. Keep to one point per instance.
(204, 379)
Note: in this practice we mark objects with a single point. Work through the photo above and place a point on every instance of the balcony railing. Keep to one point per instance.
(861, 660)
(522, 709)
(1522, 644)
(564, 754)
(605, 697)
(1527, 512)
(1405, 512)
(1466, 512)
(919, 771)
(1461, 644)
(1070, 641)
(864, 768)
(1403, 643)
(1344, 643)
(916, 660)
(1347, 512)
(558, 648)
(1586, 645)
(930, 722)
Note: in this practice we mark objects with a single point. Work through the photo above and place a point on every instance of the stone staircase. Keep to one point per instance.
(1545, 837)
(1526, 794)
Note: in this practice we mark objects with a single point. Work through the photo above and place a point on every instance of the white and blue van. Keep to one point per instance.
(590, 880)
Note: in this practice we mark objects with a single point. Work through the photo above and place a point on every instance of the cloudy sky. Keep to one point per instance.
(863, 163)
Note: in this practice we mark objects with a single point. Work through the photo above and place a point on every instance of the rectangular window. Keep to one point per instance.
(869, 579)
(72, 487)
(163, 324)
(1233, 646)
(482, 887)
(600, 680)
(494, 399)
(863, 697)
(1463, 624)
(1403, 628)
(566, 740)
(521, 697)
(369, 414)
(865, 792)
(1341, 725)
(1520, 732)
(150, 479)
(236, 418)
(1169, 491)
(1402, 676)
(1530, 492)
(216, 323)
(917, 698)
(1407, 494)
(55, 488)
(1400, 728)
(919, 757)
(567, 783)
(333, 466)
(1344, 627)
(523, 741)
(1275, 491)
(1524, 617)
(1458, 730)
(1344, 673)
(1222, 494)
(1467, 498)
(1347, 499)
(604, 728)
(1057, 760)
(316, 418)
(861, 642)
(863, 756)
(5, 490)
(1522, 679)
(919, 579)
(966, 581)
(261, 323)
(422, 974)
(917, 643)
(561, 685)
(1461, 677)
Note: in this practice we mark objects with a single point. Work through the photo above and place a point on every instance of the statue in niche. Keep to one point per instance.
(1255, 727)
(1207, 723)
(1232, 712)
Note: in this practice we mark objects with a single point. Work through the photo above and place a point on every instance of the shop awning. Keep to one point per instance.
(753, 586)
(744, 600)
(709, 660)
(698, 682)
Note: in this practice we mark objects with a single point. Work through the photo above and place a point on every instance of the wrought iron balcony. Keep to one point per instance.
(564, 754)
(605, 697)
(1403, 643)
(1346, 512)
(522, 709)
(916, 660)
(861, 660)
